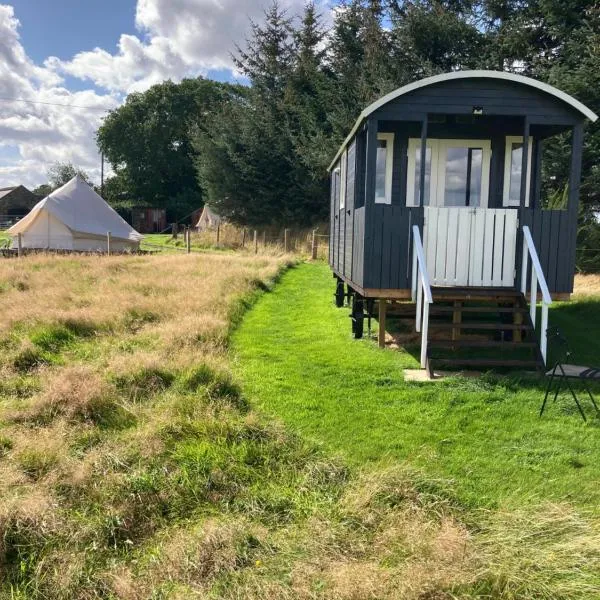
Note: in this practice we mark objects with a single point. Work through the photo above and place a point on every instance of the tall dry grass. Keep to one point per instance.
(299, 240)
(587, 285)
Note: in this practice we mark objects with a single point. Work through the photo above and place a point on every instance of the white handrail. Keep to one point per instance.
(537, 279)
(421, 287)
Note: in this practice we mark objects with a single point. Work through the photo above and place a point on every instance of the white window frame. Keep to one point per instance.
(388, 138)
(510, 140)
(343, 175)
(413, 145)
(336, 188)
(439, 148)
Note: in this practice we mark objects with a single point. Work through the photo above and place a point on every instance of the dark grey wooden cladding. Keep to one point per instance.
(494, 97)
(358, 250)
(550, 230)
(391, 247)
(349, 210)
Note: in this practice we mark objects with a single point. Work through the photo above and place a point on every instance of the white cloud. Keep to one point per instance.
(178, 38)
(42, 133)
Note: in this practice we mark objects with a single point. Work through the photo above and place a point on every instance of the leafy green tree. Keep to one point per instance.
(43, 190)
(60, 173)
(147, 142)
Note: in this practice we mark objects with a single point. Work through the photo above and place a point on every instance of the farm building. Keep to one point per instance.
(149, 220)
(74, 217)
(436, 198)
(208, 219)
(15, 203)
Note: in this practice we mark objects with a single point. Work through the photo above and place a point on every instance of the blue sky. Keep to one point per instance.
(64, 27)
(94, 53)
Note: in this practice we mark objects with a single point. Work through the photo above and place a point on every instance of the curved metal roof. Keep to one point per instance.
(501, 75)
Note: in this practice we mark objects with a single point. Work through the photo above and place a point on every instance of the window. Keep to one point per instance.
(457, 172)
(335, 187)
(384, 168)
(513, 166)
(462, 185)
(343, 180)
(413, 189)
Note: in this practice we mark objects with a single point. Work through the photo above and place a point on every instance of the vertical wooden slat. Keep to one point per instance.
(464, 232)
(452, 247)
(442, 244)
(553, 277)
(498, 247)
(477, 246)
(510, 248)
(388, 222)
(546, 243)
(487, 247)
(562, 253)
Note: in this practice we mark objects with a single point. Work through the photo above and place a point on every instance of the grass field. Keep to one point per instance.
(479, 438)
(133, 466)
(130, 464)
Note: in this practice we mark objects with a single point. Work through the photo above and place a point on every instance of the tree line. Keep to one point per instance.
(258, 153)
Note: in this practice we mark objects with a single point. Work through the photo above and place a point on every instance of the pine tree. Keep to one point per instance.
(267, 58)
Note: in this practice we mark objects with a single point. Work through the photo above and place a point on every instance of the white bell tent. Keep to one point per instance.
(74, 217)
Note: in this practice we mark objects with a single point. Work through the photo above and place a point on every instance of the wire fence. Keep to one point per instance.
(588, 260)
(311, 242)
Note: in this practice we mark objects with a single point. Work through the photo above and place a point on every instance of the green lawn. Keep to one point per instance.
(297, 361)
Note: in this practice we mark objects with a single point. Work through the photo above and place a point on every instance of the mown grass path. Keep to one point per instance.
(297, 361)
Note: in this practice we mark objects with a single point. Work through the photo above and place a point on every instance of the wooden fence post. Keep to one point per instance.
(108, 243)
(264, 239)
(189, 240)
(174, 230)
(19, 245)
(255, 242)
(244, 238)
(314, 245)
(285, 240)
(218, 233)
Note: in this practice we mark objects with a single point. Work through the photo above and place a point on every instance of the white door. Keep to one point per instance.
(473, 247)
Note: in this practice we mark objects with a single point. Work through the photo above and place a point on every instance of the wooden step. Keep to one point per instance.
(487, 326)
(483, 362)
(433, 309)
(476, 291)
(465, 343)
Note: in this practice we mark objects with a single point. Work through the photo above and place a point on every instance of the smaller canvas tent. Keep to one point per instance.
(209, 219)
(74, 217)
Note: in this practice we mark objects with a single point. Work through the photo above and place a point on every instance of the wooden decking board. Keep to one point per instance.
(483, 326)
(466, 343)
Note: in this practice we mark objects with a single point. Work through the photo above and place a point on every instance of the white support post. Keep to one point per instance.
(543, 332)
(424, 335)
(537, 280)
(524, 268)
(419, 307)
(108, 243)
(533, 297)
(414, 274)
(422, 289)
